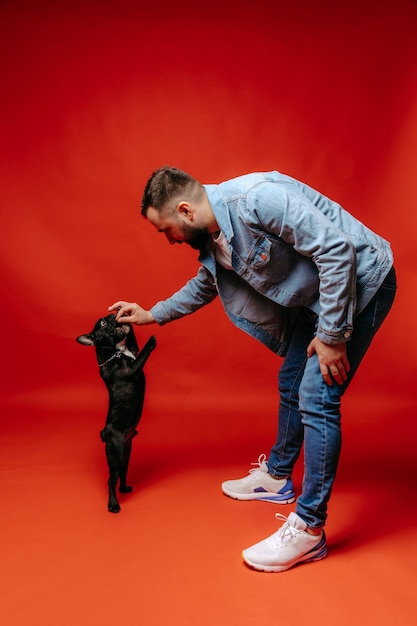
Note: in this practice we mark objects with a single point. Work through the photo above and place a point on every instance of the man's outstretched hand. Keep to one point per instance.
(131, 313)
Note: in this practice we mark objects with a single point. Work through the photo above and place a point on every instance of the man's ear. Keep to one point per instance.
(185, 210)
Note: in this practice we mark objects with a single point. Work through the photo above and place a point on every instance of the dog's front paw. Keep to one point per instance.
(152, 342)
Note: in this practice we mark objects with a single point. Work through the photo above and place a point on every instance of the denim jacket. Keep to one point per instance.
(290, 247)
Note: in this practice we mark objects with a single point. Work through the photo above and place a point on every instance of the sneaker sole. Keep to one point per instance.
(306, 558)
(263, 497)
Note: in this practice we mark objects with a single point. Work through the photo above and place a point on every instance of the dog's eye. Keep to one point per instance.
(103, 323)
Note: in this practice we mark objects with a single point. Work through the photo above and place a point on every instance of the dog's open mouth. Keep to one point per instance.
(122, 331)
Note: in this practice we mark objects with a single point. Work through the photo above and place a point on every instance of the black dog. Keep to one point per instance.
(121, 367)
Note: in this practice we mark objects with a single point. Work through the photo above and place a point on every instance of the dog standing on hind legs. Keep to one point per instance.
(121, 366)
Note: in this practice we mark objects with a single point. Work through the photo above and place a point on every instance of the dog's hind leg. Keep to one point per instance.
(123, 487)
(114, 454)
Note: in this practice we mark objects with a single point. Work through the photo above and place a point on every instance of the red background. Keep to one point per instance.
(95, 96)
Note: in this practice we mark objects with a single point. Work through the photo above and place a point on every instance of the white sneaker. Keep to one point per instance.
(291, 544)
(260, 485)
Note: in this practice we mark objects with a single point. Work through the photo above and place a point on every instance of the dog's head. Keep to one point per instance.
(108, 334)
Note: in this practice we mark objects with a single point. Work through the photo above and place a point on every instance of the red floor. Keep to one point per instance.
(172, 555)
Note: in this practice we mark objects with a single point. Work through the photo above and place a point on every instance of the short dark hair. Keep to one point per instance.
(165, 184)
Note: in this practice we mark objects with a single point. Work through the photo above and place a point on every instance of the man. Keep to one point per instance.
(299, 273)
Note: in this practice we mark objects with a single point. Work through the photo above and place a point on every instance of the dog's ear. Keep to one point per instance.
(85, 340)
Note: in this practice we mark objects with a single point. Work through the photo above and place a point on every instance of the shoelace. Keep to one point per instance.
(284, 534)
(258, 464)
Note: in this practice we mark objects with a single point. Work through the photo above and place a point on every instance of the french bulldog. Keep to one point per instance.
(121, 366)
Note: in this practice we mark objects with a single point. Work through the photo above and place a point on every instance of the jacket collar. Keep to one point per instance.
(220, 210)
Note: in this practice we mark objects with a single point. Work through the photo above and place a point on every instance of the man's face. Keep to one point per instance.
(177, 230)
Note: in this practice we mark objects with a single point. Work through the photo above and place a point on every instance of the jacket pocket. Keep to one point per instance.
(260, 254)
(274, 259)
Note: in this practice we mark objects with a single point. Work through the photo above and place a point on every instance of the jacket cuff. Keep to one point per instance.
(340, 336)
(160, 314)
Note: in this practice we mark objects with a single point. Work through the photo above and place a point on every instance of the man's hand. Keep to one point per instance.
(131, 313)
(332, 359)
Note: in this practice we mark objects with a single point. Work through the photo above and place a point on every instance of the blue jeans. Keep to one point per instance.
(310, 409)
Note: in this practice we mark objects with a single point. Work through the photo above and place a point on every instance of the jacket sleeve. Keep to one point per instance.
(196, 293)
(287, 213)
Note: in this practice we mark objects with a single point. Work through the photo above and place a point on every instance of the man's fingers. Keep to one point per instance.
(125, 314)
(325, 372)
(334, 364)
(124, 310)
(333, 372)
(338, 373)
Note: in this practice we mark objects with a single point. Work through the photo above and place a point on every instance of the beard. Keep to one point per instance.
(197, 238)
